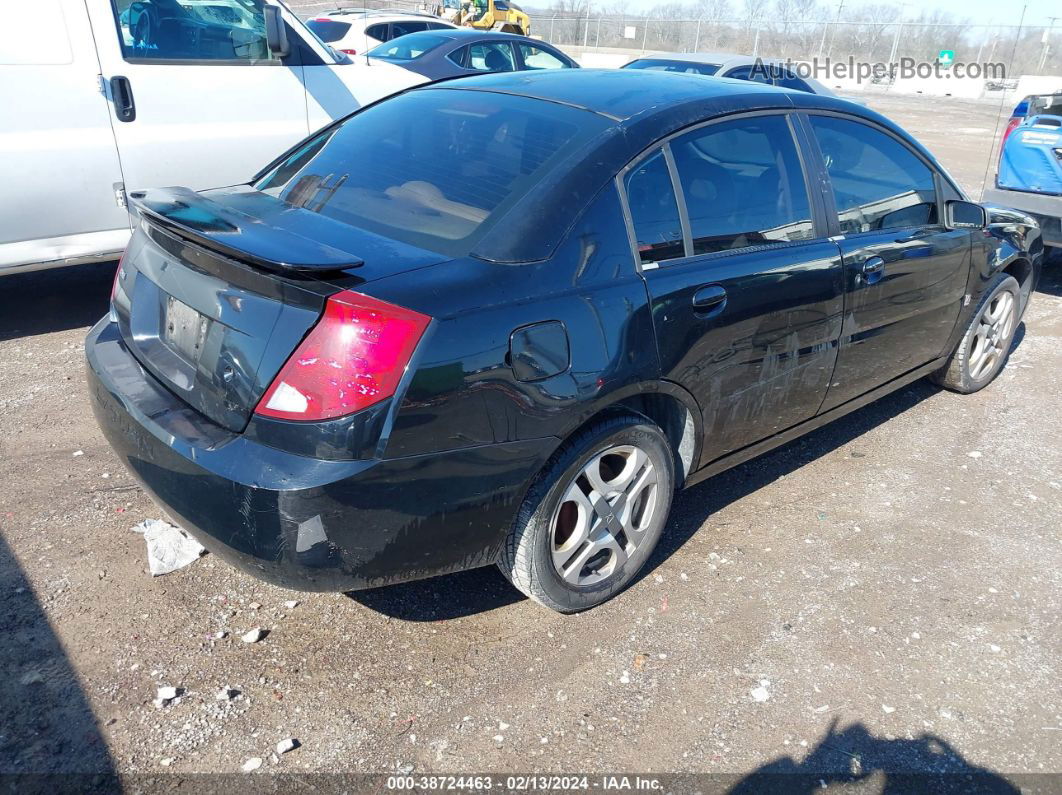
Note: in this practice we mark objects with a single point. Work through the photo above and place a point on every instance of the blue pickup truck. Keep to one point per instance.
(1029, 177)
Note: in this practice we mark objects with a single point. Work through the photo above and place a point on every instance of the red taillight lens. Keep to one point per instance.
(354, 357)
(350, 52)
(1011, 125)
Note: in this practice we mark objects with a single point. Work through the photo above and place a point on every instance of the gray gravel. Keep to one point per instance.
(881, 595)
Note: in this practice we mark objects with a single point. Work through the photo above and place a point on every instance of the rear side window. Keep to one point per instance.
(192, 30)
(743, 184)
(328, 30)
(378, 32)
(789, 80)
(538, 58)
(654, 211)
(405, 28)
(438, 183)
(878, 183)
(490, 56)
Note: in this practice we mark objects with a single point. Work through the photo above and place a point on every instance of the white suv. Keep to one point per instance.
(355, 31)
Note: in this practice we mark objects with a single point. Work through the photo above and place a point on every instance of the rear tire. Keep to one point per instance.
(593, 516)
(984, 348)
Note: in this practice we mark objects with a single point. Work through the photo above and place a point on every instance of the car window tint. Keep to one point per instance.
(459, 57)
(490, 56)
(328, 30)
(789, 80)
(407, 48)
(437, 182)
(404, 28)
(743, 184)
(378, 32)
(538, 58)
(654, 211)
(748, 73)
(192, 30)
(878, 183)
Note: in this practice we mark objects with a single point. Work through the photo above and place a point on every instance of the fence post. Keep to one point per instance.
(822, 42)
(552, 20)
(756, 42)
(586, 28)
(645, 33)
(697, 39)
(597, 37)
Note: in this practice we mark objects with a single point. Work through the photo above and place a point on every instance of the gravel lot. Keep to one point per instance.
(881, 597)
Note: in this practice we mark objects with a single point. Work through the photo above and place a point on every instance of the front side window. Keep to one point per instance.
(437, 183)
(538, 58)
(878, 183)
(490, 56)
(743, 184)
(654, 211)
(192, 30)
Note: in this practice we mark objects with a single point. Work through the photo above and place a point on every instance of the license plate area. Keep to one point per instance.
(184, 330)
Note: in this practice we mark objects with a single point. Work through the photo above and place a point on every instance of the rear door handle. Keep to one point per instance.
(122, 96)
(709, 300)
(873, 269)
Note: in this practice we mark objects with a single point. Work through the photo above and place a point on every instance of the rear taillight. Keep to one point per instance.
(350, 52)
(117, 277)
(1011, 125)
(354, 357)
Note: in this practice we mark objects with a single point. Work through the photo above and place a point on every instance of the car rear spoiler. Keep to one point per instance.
(266, 242)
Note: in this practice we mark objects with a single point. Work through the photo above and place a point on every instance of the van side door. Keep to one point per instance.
(746, 289)
(197, 98)
(60, 163)
(905, 272)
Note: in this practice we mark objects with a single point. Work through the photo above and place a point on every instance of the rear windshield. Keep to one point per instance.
(328, 30)
(1049, 104)
(438, 183)
(408, 47)
(664, 65)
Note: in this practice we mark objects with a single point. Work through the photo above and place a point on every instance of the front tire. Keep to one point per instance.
(593, 517)
(984, 347)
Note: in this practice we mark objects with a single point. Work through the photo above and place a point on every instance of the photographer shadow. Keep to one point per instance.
(854, 755)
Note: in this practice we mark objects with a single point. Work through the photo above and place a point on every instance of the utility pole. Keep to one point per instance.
(833, 33)
(1046, 42)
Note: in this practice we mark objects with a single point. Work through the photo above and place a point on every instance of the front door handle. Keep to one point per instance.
(709, 300)
(122, 97)
(873, 269)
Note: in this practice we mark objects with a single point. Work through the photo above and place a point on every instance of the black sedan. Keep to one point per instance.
(507, 332)
(439, 54)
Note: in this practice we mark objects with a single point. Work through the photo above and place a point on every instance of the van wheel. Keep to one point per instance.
(985, 346)
(593, 517)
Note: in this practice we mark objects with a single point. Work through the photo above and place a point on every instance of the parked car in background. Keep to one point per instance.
(440, 54)
(507, 330)
(1029, 174)
(355, 32)
(738, 67)
(127, 95)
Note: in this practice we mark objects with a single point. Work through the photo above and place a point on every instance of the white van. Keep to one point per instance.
(101, 97)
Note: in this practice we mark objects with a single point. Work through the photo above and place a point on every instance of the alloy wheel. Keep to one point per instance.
(603, 515)
(986, 346)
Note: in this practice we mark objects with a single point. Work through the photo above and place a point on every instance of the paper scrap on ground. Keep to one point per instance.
(169, 548)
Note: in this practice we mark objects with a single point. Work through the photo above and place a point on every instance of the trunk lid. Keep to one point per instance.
(217, 289)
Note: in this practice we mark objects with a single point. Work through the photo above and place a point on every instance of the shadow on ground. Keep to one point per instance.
(1051, 277)
(56, 299)
(49, 737)
(891, 766)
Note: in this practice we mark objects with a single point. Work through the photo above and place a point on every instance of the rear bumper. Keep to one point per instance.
(1047, 210)
(300, 522)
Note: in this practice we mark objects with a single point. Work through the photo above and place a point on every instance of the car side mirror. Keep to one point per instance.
(276, 32)
(965, 215)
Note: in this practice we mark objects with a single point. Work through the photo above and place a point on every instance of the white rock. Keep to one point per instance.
(684, 576)
(499, 738)
(502, 725)
(255, 605)
(291, 605)
(166, 762)
(253, 636)
(625, 678)
(658, 578)
(166, 693)
(974, 454)
(78, 453)
(290, 744)
(995, 648)
(227, 694)
(760, 694)
(887, 709)
(252, 764)
(220, 634)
